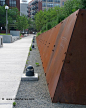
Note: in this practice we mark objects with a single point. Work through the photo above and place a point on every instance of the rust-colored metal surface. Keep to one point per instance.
(63, 55)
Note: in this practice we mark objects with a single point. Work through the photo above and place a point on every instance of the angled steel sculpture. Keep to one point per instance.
(63, 54)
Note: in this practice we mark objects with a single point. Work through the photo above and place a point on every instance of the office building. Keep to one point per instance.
(23, 8)
(11, 3)
(35, 6)
(46, 4)
(2, 2)
(62, 2)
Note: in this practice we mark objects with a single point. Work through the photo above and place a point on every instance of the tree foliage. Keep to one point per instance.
(14, 18)
(47, 19)
(12, 14)
(83, 3)
(2, 16)
(32, 25)
(21, 22)
(39, 20)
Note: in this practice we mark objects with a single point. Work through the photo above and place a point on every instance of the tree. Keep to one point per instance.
(43, 19)
(32, 26)
(83, 3)
(51, 17)
(22, 22)
(12, 14)
(2, 16)
(39, 17)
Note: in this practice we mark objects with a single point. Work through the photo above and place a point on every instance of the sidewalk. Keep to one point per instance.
(13, 58)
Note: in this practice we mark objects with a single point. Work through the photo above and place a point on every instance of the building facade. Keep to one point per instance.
(2, 2)
(36, 5)
(24, 0)
(23, 9)
(11, 3)
(33, 7)
(46, 4)
(62, 2)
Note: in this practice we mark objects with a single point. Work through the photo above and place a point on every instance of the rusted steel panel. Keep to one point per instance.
(72, 80)
(58, 56)
(49, 46)
(64, 60)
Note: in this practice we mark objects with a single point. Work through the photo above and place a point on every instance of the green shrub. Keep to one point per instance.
(43, 29)
(14, 103)
(60, 18)
(48, 26)
(30, 49)
(28, 53)
(27, 61)
(38, 33)
(37, 64)
(54, 23)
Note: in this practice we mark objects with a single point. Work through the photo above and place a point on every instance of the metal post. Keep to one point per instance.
(6, 21)
(6, 7)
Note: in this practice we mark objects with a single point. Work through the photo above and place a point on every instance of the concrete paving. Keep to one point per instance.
(30, 78)
(13, 58)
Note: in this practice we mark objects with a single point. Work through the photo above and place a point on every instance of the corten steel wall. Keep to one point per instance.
(63, 55)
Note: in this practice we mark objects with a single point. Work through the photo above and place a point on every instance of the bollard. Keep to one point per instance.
(30, 71)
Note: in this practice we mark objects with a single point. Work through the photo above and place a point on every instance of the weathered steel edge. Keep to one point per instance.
(51, 54)
(54, 98)
(69, 44)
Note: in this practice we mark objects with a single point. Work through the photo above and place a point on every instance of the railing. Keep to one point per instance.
(34, 12)
(34, 2)
(28, 15)
(28, 7)
(35, 7)
(28, 11)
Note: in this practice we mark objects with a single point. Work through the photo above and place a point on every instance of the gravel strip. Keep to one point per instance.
(35, 94)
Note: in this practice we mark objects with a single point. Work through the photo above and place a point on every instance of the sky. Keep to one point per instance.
(25, 2)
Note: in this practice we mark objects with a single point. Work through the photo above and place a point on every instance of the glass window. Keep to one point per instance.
(43, 9)
(49, 5)
(2, 2)
(44, 4)
(49, 0)
(56, 5)
(63, 3)
(32, 16)
(58, 1)
(44, 0)
(12, 3)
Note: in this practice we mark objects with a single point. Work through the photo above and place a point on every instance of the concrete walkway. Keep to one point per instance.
(13, 58)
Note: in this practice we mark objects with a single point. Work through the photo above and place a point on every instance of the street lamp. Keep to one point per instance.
(6, 7)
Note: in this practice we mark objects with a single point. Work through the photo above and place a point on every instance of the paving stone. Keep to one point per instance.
(13, 58)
